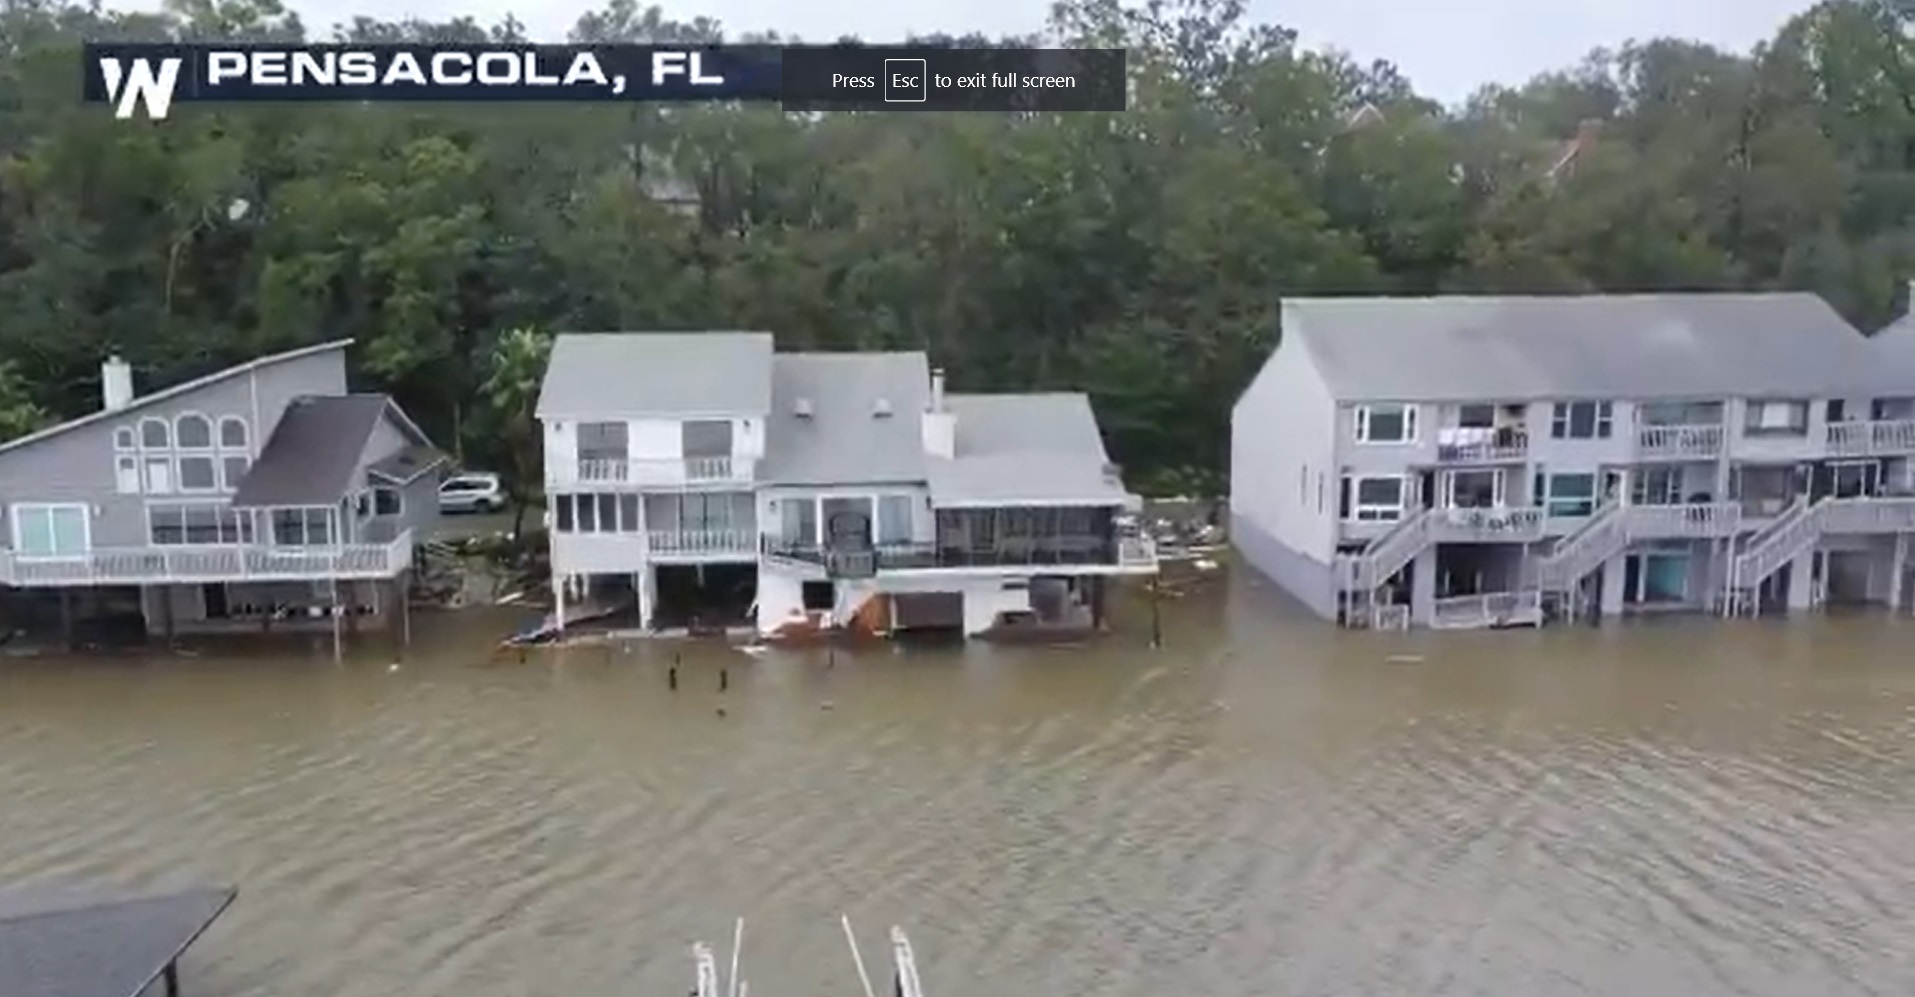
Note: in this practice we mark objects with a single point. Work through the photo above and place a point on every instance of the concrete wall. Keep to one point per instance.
(81, 464)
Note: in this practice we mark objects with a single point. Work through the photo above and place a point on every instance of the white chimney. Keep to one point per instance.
(116, 383)
(938, 426)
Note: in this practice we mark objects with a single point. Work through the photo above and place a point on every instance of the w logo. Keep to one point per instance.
(134, 81)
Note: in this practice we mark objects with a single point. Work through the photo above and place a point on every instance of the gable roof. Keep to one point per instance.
(1025, 448)
(183, 388)
(638, 374)
(313, 454)
(1592, 346)
(843, 441)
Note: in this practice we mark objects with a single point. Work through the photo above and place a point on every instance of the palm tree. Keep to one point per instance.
(514, 372)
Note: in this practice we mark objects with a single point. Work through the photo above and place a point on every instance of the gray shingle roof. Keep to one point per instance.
(1595, 346)
(637, 374)
(405, 467)
(843, 441)
(313, 453)
(1026, 448)
(96, 943)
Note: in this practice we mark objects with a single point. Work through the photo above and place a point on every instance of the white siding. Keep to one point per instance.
(646, 440)
(1283, 470)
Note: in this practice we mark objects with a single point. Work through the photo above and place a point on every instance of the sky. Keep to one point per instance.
(1447, 49)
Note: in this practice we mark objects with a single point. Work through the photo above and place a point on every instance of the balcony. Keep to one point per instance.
(1693, 442)
(1870, 439)
(667, 472)
(1467, 445)
(1486, 525)
(702, 543)
(170, 565)
(1048, 555)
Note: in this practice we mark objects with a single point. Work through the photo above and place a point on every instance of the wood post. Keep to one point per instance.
(403, 596)
(338, 640)
(172, 977)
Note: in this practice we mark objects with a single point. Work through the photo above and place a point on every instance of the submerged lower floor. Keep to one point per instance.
(180, 610)
(1471, 585)
(778, 601)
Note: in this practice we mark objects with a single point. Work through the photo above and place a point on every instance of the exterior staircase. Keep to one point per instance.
(1588, 547)
(1389, 553)
(1799, 529)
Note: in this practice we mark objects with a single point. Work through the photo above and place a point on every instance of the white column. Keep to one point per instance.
(1423, 587)
(1898, 571)
(1802, 581)
(1614, 574)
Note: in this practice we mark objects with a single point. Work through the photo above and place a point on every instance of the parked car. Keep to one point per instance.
(471, 491)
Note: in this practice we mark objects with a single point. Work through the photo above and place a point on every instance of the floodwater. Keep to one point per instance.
(1263, 807)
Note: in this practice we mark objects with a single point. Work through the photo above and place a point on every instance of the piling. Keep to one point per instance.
(724, 679)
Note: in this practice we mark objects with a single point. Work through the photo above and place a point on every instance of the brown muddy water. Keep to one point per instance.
(1264, 807)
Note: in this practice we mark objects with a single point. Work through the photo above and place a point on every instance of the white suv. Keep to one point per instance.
(471, 491)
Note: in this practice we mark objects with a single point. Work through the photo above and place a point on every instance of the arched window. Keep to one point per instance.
(154, 434)
(232, 433)
(193, 431)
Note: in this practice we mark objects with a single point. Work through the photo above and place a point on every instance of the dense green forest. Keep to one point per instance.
(1139, 256)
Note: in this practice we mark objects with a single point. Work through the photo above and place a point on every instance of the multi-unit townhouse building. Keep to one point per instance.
(263, 494)
(704, 480)
(1485, 461)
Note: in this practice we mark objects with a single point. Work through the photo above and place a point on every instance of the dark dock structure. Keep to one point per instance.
(91, 942)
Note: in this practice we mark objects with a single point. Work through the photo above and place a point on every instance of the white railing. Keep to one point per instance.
(1776, 545)
(1390, 616)
(1869, 515)
(1473, 525)
(1581, 552)
(1136, 552)
(1679, 441)
(1890, 436)
(1461, 445)
(164, 565)
(692, 542)
(1387, 554)
(661, 472)
(1701, 520)
(1494, 609)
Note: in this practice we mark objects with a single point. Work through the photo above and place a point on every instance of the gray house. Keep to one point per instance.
(704, 480)
(259, 495)
(1468, 462)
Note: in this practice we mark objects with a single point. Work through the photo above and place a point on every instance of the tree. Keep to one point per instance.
(511, 390)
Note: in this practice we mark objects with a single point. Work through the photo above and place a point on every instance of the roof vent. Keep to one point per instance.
(881, 409)
(801, 408)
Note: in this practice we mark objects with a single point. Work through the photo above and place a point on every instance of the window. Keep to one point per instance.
(607, 513)
(798, 521)
(202, 524)
(123, 438)
(1476, 416)
(1386, 424)
(232, 471)
(193, 431)
(1582, 421)
(628, 520)
(562, 513)
(1567, 494)
(1375, 499)
(894, 519)
(302, 527)
(154, 435)
(387, 502)
(159, 475)
(232, 433)
(126, 475)
(197, 474)
(1836, 410)
(706, 437)
(51, 530)
(1475, 489)
(585, 511)
(1777, 418)
(603, 441)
